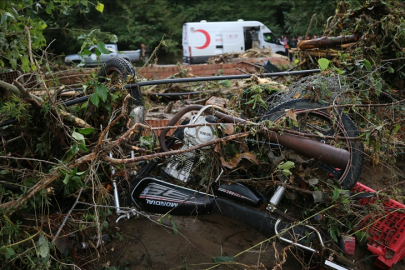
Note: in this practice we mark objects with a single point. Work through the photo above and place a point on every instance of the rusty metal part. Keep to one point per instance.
(326, 153)
(336, 157)
(327, 42)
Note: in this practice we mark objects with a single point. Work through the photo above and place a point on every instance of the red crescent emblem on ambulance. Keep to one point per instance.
(207, 39)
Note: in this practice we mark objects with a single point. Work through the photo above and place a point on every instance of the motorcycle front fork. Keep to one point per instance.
(126, 214)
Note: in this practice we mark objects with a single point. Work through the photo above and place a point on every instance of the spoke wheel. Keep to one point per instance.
(326, 123)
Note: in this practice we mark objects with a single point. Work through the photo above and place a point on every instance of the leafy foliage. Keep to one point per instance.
(22, 27)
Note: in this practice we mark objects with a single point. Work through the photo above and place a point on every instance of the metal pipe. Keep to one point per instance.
(197, 79)
(334, 265)
(218, 78)
(328, 154)
(116, 198)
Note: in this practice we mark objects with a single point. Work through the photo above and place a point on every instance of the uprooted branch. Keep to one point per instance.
(175, 152)
(12, 206)
(19, 90)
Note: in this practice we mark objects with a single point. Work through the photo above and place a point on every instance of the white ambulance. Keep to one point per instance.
(204, 39)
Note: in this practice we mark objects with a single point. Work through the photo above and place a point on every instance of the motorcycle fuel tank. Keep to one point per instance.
(154, 195)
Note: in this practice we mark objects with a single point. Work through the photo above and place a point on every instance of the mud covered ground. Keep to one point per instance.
(144, 244)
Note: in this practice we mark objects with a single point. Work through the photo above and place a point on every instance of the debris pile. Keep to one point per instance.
(251, 53)
(369, 40)
(361, 58)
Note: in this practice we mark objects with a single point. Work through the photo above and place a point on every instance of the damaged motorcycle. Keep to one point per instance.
(242, 169)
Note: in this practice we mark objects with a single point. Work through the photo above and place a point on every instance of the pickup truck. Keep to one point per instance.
(75, 59)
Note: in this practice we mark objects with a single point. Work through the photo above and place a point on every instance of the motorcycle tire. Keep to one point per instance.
(121, 68)
(338, 121)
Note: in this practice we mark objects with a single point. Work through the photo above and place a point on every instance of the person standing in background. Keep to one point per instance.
(144, 53)
(293, 44)
(286, 45)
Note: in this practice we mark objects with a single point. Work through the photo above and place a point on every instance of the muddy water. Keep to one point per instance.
(148, 245)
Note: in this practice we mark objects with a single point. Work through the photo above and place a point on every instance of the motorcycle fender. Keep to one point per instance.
(154, 195)
(239, 192)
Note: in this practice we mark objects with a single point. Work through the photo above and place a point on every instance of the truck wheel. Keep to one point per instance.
(322, 121)
(119, 69)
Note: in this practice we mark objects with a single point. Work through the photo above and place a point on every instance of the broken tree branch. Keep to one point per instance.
(175, 152)
(12, 206)
(29, 45)
(37, 101)
(326, 42)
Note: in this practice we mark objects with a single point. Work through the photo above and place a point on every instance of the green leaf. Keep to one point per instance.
(84, 45)
(397, 127)
(77, 136)
(333, 235)
(100, 7)
(335, 195)
(81, 173)
(225, 83)
(13, 63)
(378, 87)
(83, 147)
(3, 172)
(66, 180)
(323, 63)
(97, 51)
(40, 26)
(9, 252)
(367, 64)
(362, 237)
(102, 48)
(42, 247)
(85, 131)
(286, 172)
(86, 52)
(174, 227)
(345, 201)
(319, 134)
(339, 71)
(286, 165)
(95, 100)
(8, 14)
(101, 91)
(49, 7)
(221, 259)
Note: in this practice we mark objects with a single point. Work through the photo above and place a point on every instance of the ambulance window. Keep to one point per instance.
(269, 37)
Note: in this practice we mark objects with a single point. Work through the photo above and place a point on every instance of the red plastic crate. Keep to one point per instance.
(387, 235)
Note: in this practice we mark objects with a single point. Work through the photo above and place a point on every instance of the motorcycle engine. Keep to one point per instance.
(180, 166)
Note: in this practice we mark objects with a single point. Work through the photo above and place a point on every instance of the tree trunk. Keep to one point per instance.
(326, 42)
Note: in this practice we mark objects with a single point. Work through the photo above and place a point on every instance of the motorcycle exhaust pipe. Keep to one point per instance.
(339, 158)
